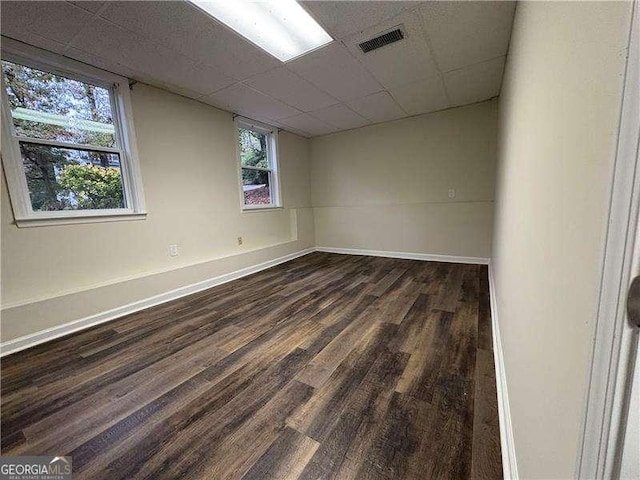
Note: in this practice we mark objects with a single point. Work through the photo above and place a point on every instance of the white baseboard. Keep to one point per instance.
(506, 434)
(509, 463)
(428, 257)
(49, 334)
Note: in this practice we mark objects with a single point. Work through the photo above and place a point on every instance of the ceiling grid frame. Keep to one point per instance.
(329, 118)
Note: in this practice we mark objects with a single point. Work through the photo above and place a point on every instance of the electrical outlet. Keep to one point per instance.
(173, 250)
(239, 240)
(452, 193)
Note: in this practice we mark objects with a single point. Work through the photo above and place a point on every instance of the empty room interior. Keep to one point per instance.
(319, 240)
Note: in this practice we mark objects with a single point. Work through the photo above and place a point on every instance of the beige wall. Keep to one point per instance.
(385, 187)
(559, 112)
(187, 152)
(57, 274)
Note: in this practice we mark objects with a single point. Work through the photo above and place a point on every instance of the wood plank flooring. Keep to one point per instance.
(328, 366)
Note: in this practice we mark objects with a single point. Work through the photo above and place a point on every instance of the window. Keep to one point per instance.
(257, 149)
(71, 156)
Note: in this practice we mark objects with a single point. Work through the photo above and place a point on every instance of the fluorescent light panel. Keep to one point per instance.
(280, 27)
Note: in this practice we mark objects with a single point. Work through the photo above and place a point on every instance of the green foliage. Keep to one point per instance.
(93, 186)
(40, 164)
(65, 179)
(253, 153)
(62, 178)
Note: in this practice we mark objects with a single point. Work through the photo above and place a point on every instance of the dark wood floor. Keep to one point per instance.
(328, 366)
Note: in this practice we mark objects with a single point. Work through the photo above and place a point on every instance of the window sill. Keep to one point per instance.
(50, 221)
(257, 208)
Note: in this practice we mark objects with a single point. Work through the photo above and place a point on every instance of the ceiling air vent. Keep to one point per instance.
(382, 40)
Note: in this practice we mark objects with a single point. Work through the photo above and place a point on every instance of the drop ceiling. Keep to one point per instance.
(453, 54)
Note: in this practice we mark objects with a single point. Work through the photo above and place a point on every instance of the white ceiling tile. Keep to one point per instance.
(297, 132)
(203, 79)
(379, 107)
(289, 129)
(178, 89)
(147, 61)
(345, 17)
(231, 53)
(336, 71)
(306, 123)
(57, 21)
(175, 46)
(171, 87)
(154, 20)
(181, 88)
(398, 63)
(246, 101)
(100, 62)
(187, 30)
(475, 83)
(424, 96)
(33, 39)
(465, 33)
(186, 78)
(89, 5)
(114, 44)
(120, 46)
(285, 85)
(340, 116)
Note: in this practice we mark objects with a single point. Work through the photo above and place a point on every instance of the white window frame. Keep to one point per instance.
(118, 87)
(272, 156)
